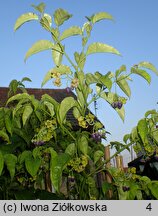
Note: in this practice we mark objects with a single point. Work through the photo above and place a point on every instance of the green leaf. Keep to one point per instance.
(123, 84)
(83, 144)
(32, 165)
(48, 98)
(22, 157)
(46, 22)
(121, 113)
(39, 46)
(24, 18)
(57, 166)
(72, 31)
(26, 79)
(101, 48)
(27, 113)
(142, 129)
(1, 162)
(4, 135)
(153, 186)
(91, 78)
(40, 7)
(106, 81)
(65, 106)
(50, 107)
(97, 155)
(141, 73)
(60, 16)
(120, 70)
(150, 112)
(19, 97)
(57, 54)
(149, 66)
(10, 161)
(8, 120)
(71, 149)
(47, 77)
(101, 16)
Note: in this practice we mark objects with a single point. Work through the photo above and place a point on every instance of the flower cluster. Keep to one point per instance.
(74, 83)
(97, 136)
(45, 132)
(78, 164)
(56, 76)
(85, 121)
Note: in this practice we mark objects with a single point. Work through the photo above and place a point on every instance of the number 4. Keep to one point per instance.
(149, 207)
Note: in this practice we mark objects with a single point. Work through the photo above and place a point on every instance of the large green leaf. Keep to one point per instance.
(4, 135)
(90, 79)
(32, 165)
(110, 98)
(10, 161)
(149, 66)
(47, 77)
(72, 31)
(153, 186)
(71, 149)
(24, 18)
(123, 84)
(97, 155)
(19, 97)
(120, 70)
(142, 129)
(100, 16)
(22, 157)
(57, 54)
(1, 162)
(101, 48)
(8, 120)
(27, 113)
(57, 166)
(106, 81)
(141, 73)
(50, 107)
(60, 16)
(39, 46)
(48, 98)
(46, 22)
(83, 144)
(65, 106)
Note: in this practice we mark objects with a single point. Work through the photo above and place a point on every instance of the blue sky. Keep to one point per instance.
(134, 33)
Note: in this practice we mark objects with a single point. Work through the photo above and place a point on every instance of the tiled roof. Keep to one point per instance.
(57, 94)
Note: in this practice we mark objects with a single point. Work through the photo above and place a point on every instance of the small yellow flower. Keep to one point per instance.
(74, 83)
(57, 82)
(55, 74)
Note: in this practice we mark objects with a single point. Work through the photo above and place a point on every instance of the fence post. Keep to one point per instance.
(108, 165)
(119, 162)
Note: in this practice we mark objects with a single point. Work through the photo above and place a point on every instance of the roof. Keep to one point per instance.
(57, 94)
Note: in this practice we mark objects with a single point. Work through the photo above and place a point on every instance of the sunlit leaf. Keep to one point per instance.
(39, 46)
(39, 7)
(123, 84)
(150, 112)
(101, 48)
(46, 22)
(153, 186)
(60, 16)
(26, 79)
(4, 135)
(101, 16)
(24, 18)
(72, 31)
(47, 77)
(50, 107)
(141, 73)
(83, 144)
(65, 106)
(57, 54)
(149, 66)
(26, 114)
(142, 129)
(120, 70)
(19, 97)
